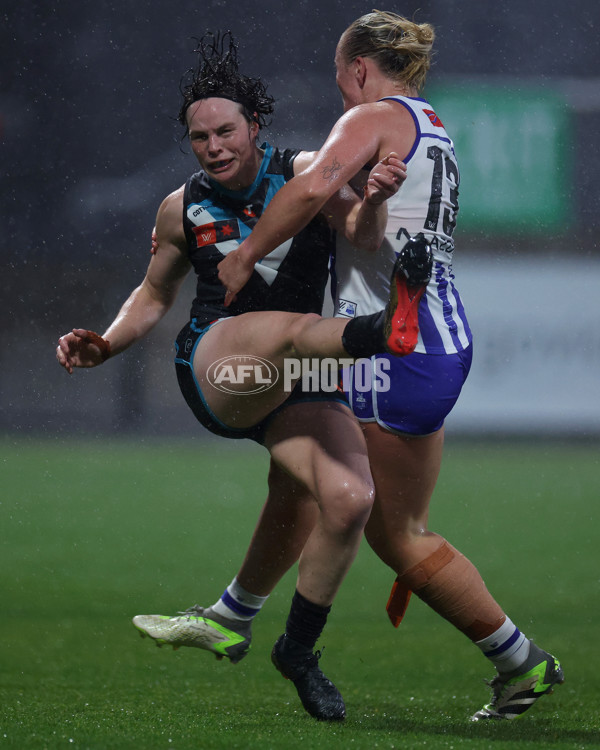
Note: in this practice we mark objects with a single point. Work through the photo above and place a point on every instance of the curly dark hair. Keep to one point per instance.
(217, 74)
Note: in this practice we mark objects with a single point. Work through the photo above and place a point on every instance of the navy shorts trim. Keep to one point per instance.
(409, 395)
(185, 347)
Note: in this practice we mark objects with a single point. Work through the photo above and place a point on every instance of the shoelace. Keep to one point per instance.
(496, 684)
(195, 611)
(312, 665)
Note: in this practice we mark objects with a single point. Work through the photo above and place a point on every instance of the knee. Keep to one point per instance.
(403, 546)
(298, 327)
(347, 513)
(302, 321)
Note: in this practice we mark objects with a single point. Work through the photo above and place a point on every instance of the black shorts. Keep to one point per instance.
(185, 348)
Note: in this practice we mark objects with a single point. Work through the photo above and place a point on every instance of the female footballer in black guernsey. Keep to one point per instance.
(316, 439)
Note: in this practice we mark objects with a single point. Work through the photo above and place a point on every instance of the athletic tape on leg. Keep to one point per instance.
(451, 585)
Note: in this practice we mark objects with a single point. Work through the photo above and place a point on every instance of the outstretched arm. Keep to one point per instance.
(146, 305)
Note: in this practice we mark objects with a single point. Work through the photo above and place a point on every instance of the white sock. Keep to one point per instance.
(507, 648)
(238, 604)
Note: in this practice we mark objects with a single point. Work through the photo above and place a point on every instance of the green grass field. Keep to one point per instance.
(95, 532)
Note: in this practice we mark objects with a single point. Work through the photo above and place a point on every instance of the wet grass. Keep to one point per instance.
(95, 532)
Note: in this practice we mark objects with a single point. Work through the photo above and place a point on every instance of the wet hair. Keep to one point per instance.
(217, 74)
(401, 48)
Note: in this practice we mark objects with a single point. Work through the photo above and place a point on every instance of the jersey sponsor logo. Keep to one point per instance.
(216, 231)
(199, 213)
(347, 308)
(433, 118)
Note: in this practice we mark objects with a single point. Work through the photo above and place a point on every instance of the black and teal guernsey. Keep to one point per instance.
(291, 278)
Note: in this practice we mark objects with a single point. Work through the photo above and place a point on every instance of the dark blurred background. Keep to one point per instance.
(89, 93)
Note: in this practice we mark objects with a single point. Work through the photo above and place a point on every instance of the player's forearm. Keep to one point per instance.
(138, 315)
(366, 228)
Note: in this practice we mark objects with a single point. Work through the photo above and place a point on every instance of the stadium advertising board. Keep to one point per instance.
(512, 148)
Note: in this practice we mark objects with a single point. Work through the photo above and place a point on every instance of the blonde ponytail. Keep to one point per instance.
(400, 47)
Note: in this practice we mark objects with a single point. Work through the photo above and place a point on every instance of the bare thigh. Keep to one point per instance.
(265, 335)
(405, 472)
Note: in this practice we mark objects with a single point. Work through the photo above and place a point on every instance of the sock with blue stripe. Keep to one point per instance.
(238, 604)
(507, 648)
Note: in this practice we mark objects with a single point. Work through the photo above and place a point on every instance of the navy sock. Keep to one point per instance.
(306, 621)
(363, 336)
